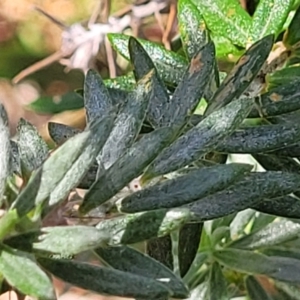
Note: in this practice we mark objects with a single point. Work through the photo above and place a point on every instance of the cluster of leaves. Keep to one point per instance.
(224, 228)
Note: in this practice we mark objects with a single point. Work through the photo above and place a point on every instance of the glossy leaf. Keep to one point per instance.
(192, 28)
(200, 140)
(170, 66)
(103, 280)
(226, 18)
(60, 133)
(126, 82)
(184, 189)
(292, 35)
(255, 290)
(97, 101)
(127, 259)
(269, 17)
(274, 233)
(57, 104)
(159, 95)
(4, 151)
(134, 228)
(261, 138)
(70, 240)
(22, 272)
(126, 168)
(242, 74)
(33, 149)
(244, 194)
(128, 122)
(100, 130)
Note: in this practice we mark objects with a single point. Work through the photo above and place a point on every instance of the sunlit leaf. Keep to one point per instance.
(292, 35)
(126, 82)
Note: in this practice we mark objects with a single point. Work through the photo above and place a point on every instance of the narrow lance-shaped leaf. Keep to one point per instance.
(96, 96)
(22, 272)
(170, 65)
(283, 77)
(292, 35)
(242, 74)
(255, 290)
(4, 151)
(201, 139)
(274, 233)
(33, 149)
(127, 259)
(269, 17)
(126, 168)
(159, 95)
(15, 163)
(240, 221)
(128, 122)
(126, 82)
(134, 228)
(244, 194)
(191, 88)
(184, 189)
(61, 132)
(226, 18)
(99, 132)
(260, 139)
(289, 289)
(105, 281)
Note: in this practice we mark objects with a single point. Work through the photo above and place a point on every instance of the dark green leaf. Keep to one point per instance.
(269, 18)
(23, 241)
(282, 77)
(61, 132)
(292, 36)
(273, 234)
(134, 228)
(184, 189)
(201, 139)
(255, 290)
(128, 122)
(192, 27)
(57, 104)
(126, 168)
(245, 194)
(159, 95)
(21, 271)
(97, 101)
(242, 74)
(292, 290)
(261, 138)
(127, 259)
(170, 65)
(103, 280)
(33, 149)
(226, 18)
(4, 151)
(15, 163)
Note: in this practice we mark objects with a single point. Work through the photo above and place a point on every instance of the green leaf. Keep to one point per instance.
(99, 132)
(126, 168)
(255, 290)
(292, 35)
(274, 233)
(226, 18)
(60, 133)
(200, 140)
(192, 28)
(260, 139)
(57, 104)
(128, 122)
(286, 76)
(242, 74)
(70, 240)
(97, 101)
(134, 228)
(217, 289)
(21, 271)
(170, 65)
(224, 47)
(287, 206)
(159, 95)
(184, 189)
(127, 259)
(8, 222)
(105, 281)
(126, 82)
(291, 290)
(240, 221)
(15, 163)
(33, 149)
(244, 194)
(269, 18)
(4, 151)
